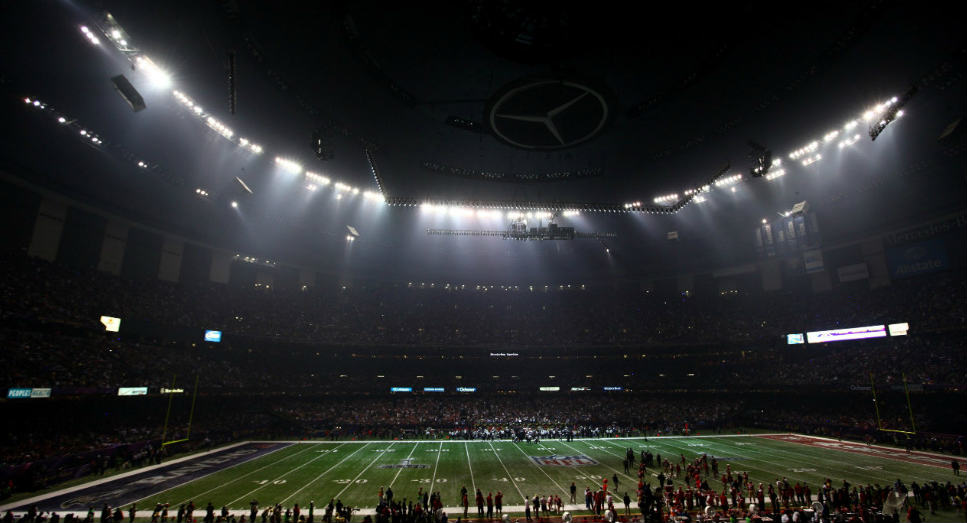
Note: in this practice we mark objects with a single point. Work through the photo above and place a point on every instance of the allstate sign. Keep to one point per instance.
(918, 258)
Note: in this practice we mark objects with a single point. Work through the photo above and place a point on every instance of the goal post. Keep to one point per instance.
(171, 391)
(909, 405)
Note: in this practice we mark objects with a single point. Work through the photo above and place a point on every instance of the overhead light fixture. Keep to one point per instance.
(90, 35)
(288, 165)
(158, 76)
(890, 111)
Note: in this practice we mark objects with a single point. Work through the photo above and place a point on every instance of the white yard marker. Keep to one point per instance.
(260, 487)
(509, 475)
(364, 470)
(248, 474)
(433, 481)
(401, 468)
(634, 481)
(324, 473)
(213, 472)
(528, 458)
(472, 482)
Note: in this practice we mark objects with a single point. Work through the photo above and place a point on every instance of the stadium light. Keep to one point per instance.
(317, 178)
(158, 76)
(811, 160)
(219, 127)
(775, 174)
(288, 165)
(90, 35)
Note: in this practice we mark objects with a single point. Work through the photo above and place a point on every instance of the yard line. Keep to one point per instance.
(566, 493)
(435, 465)
(401, 468)
(831, 463)
(624, 448)
(747, 466)
(260, 487)
(472, 482)
(310, 447)
(324, 473)
(616, 471)
(209, 474)
(379, 455)
(509, 476)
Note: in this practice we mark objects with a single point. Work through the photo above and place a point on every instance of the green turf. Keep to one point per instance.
(351, 471)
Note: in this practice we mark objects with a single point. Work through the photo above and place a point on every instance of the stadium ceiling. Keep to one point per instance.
(475, 101)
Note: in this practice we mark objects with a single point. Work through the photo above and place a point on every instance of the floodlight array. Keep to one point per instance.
(809, 160)
(317, 179)
(728, 180)
(877, 116)
(849, 141)
(219, 127)
(246, 144)
(289, 165)
(86, 135)
(161, 78)
(775, 173)
(90, 35)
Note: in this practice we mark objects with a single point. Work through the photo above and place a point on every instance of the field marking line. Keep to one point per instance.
(567, 494)
(209, 474)
(260, 487)
(472, 482)
(802, 457)
(435, 465)
(509, 476)
(624, 438)
(324, 473)
(401, 468)
(579, 476)
(149, 468)
(634, 481)
(242, 476)
(649, 450)
(379, 455)
(770, 474)
(884, 447)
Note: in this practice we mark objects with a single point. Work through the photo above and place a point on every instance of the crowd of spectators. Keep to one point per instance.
(92, 361)
(400, 314)
(333, 346)
(502, 416)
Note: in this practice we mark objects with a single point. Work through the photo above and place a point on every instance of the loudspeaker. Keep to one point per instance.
(128, 92)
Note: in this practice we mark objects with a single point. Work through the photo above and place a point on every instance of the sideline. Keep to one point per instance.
(132, 472)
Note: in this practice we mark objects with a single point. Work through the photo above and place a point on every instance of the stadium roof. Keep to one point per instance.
(473, 101)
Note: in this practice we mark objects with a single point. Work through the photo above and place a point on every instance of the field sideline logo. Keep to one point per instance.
(578, 460)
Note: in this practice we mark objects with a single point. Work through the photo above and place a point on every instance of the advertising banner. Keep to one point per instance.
(916, 259)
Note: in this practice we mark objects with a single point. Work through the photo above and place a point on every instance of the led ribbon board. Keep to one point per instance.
(854, 333)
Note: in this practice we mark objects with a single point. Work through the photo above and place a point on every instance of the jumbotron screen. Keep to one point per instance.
(853, 333)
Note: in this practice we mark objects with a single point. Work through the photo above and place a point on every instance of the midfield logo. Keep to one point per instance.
(564, 461)
(405, 464)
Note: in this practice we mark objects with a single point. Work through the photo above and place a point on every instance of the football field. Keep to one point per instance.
(353, 471)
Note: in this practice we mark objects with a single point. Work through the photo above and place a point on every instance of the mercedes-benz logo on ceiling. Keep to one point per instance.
(548, 113)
